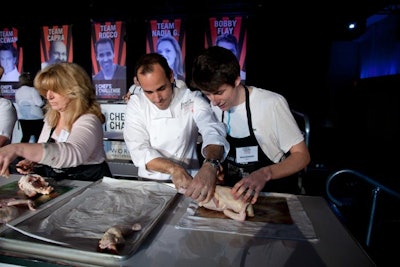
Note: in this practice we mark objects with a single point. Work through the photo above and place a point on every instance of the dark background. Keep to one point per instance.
(288, 51)
(354, 123)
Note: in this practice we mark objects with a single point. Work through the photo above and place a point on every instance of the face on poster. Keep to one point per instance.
(230, 33)
(56, 45)
(167, 37)
(11, 58)
(109, 59)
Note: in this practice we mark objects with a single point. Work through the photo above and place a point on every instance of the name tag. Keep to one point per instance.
(63, 136)
(246, 154)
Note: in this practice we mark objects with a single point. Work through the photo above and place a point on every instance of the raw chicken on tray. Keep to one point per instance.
(33, 184)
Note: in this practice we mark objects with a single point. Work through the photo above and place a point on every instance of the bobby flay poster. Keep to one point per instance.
(11, 58)
(56, 44)
(229, 32)
(167, 37)
(109, 59)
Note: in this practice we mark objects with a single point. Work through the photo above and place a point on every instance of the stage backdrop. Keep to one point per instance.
(9, 41)
(229, 32)
(108, 48)
(56, 44)
(167, 37)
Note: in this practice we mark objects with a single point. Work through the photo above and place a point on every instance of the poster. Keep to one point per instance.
(229, 32)
(56, 44)
(109, 59)
(11, 58)
(167, 37)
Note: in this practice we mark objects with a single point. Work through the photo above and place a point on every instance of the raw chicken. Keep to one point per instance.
(33, 184)
(7, 210)
(224, 201)
(114, 236)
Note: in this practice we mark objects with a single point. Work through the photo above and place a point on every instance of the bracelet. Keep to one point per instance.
(214, 162)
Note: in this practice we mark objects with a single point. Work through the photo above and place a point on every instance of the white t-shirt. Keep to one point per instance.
(29, 103)
(274, 126)
(8, 117)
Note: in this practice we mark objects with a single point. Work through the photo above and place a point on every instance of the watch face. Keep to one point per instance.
(213, 162)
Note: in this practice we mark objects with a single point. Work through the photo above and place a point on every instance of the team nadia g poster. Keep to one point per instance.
(167, 37)
(109, 59)
(11, 59)
(229, 32)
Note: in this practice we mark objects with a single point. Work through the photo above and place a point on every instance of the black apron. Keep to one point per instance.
(91, 172)
(235, 171)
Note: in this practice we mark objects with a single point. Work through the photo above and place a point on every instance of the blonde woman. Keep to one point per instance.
(71, 142)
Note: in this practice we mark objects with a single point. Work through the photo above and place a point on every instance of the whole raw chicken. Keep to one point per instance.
(224, 201)
(33, 184)
(114, 236)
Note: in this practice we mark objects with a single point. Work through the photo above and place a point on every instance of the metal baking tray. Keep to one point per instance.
(9, 189)
(80, 221)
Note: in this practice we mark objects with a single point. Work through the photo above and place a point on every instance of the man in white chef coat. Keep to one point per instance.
(162, 126)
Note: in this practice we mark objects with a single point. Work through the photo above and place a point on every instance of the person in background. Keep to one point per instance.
(265, 154)
(71, 142)
(133, 89)
(230, 42)
(8, 118)
(29, 105)
(162, 125)
(57, 53)
(8, 60)
(104, 49)
(169, 47)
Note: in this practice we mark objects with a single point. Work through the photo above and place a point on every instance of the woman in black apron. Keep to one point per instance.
(89, 172)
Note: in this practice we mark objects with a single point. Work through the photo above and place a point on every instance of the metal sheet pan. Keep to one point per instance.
(9, 189)
(81, 220)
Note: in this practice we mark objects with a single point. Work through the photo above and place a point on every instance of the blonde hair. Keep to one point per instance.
(72, 81)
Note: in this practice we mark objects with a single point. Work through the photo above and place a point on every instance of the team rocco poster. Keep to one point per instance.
(109, 59)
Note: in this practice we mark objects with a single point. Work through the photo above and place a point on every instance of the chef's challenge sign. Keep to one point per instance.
(115, 122)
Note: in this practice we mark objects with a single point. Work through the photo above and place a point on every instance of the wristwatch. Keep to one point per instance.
(214, 162)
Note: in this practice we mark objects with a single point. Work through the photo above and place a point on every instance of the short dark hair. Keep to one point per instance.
(147, 62)
(25, 79)
(103, 41)
(214, 67)
(9, 47)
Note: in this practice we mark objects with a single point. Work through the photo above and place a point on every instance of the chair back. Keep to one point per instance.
(350, 193)
(303, 121)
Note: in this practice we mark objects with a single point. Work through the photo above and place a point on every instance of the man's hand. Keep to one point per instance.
(181, 179)
(250, 186)
(202, 187)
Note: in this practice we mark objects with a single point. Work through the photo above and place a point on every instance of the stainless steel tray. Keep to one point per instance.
(81, 220)
(9, 189)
